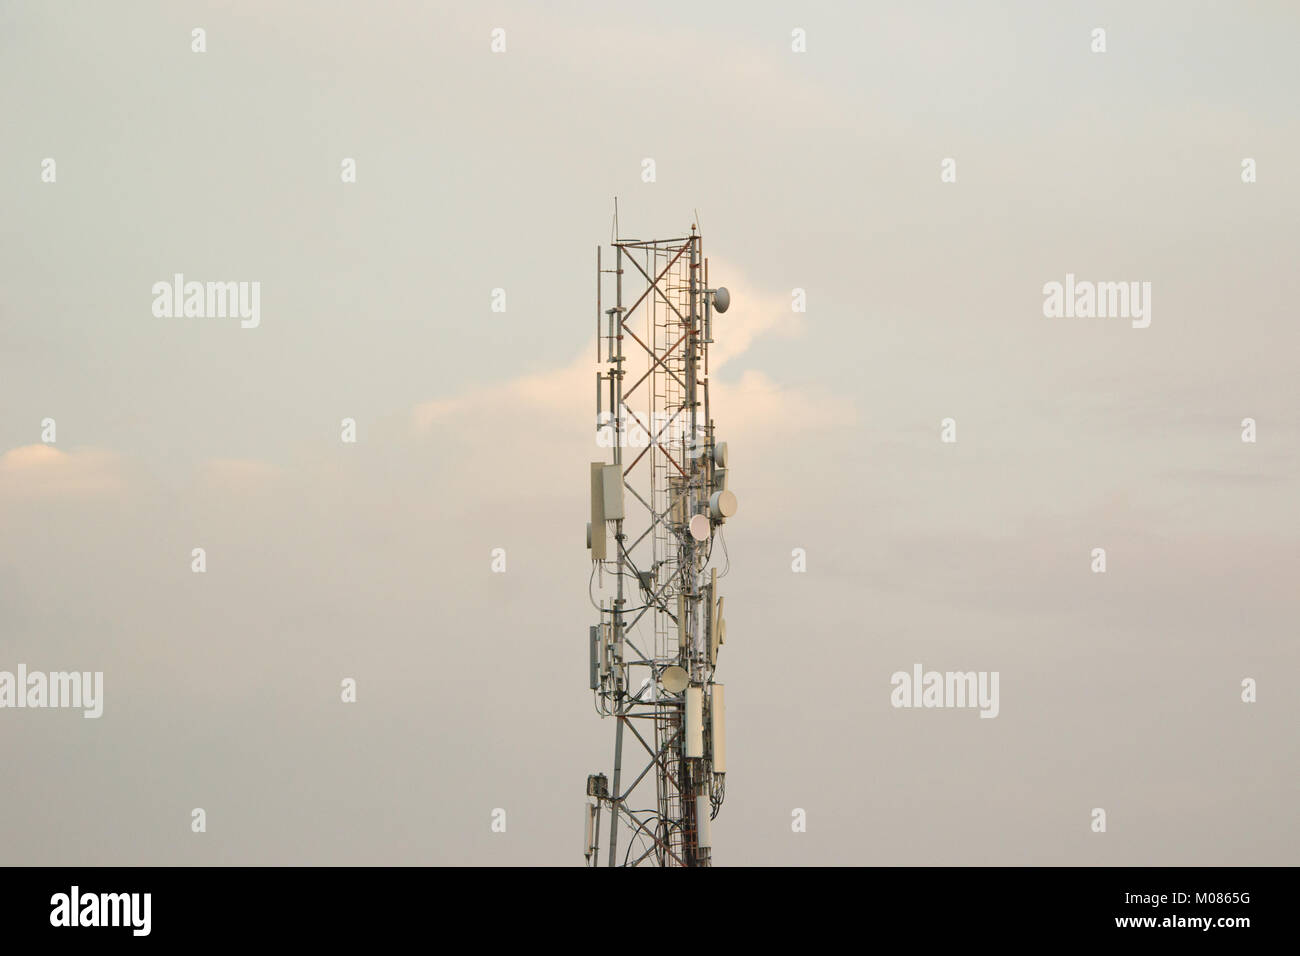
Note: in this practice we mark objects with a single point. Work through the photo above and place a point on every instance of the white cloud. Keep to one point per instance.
(530, 413)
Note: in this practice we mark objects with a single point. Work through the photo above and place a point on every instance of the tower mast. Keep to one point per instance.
(659, 500)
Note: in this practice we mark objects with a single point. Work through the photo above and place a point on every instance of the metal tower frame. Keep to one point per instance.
(654, 652)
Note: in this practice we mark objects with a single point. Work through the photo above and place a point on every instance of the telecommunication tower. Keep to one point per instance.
(658, 506)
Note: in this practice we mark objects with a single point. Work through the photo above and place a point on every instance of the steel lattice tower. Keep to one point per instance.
(657, 509)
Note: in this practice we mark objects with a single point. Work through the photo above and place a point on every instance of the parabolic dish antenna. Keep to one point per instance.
(674, 679)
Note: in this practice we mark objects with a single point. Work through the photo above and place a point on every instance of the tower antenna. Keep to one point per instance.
(659, 499)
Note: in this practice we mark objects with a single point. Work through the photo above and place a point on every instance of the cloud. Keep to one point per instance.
(525, 414)
(43, 471)
(761, 409)
(752, 315)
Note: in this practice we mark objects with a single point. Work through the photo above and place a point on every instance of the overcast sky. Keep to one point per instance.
(818, 171)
